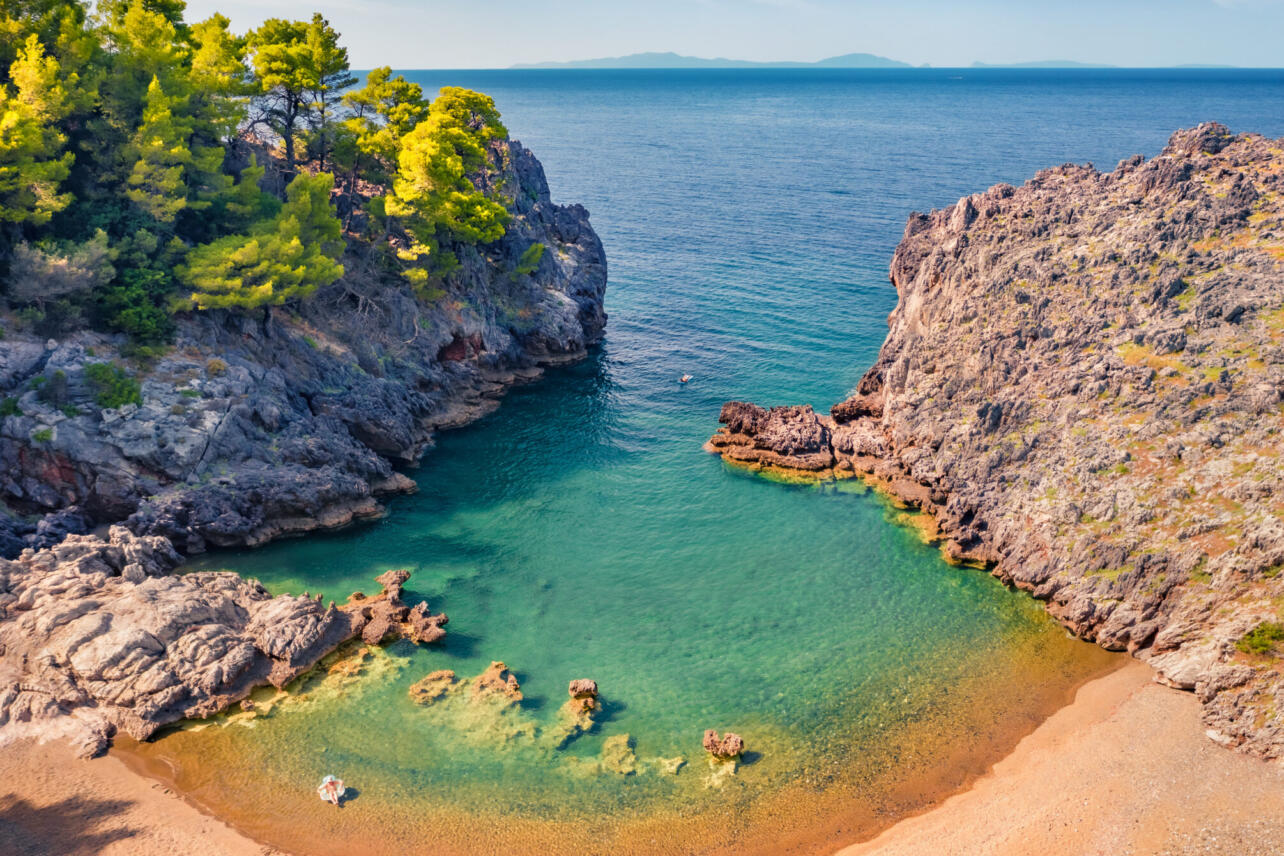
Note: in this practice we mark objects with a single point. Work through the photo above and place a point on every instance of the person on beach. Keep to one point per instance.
(331, 790)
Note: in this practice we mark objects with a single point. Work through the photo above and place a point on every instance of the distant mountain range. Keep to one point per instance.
(669, 59)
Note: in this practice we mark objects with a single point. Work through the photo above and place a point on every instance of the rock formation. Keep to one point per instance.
(496, 684)
(579, 714)
(725, 748)
(583, 693)
(98, 636)
(1082, 385)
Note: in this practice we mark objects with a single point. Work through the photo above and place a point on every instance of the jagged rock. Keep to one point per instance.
(724, 748)
(432, 686)
(97, 636)
(583, 694)
(1081, 384)
(578, 716)
(497, 683)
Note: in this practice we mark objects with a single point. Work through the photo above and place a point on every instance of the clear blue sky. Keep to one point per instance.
(498, 33)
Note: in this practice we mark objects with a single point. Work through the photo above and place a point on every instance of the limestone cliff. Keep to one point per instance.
(1082, 384)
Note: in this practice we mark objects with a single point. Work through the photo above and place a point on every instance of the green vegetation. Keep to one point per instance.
(9, 407)
(113, 387)
(529, 262)
(1262, 638)
(42, 435)
(122, 201)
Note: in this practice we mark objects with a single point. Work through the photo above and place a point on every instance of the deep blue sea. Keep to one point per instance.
(580, 531)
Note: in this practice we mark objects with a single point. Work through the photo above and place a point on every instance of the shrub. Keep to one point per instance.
(43, 435)
(71, 411)
(113, 387)
(529, 262)
(189, 393)
(1262, 638)
(9, 407)
(216, 368)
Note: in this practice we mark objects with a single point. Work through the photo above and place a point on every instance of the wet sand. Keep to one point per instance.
(1124, 769)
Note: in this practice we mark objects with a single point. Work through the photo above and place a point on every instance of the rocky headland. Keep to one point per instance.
(1082, 386)
(251, 426)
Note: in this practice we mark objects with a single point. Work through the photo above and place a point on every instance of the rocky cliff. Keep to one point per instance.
(1082, 385)
(251, 426)
(255, 425)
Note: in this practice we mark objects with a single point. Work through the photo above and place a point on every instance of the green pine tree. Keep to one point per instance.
(285, 258)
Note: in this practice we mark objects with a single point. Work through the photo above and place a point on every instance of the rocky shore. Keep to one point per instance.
(1082, 386)
(252, 426)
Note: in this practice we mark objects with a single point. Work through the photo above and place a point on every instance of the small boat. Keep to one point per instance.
(686, 378)
(331, 790)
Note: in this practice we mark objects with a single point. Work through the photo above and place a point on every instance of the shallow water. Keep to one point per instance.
(580, 531)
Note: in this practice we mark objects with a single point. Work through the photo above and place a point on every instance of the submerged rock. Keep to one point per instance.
(1082, 384)
(724, 748)
(433, 686)
(618, 755)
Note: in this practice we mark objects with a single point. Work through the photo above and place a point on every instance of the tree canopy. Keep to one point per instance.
(135, 148)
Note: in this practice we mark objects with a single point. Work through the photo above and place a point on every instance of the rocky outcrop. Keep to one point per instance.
(1082, 385)
(98, 636)
(259, 425)
(725, 748)
(496, 684)
(579, 715)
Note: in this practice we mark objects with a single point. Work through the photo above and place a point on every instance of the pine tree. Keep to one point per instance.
(32, 161)
(432, 192)
(156, 183)
(286, 258)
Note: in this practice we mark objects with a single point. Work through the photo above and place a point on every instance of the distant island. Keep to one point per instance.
(671, 60)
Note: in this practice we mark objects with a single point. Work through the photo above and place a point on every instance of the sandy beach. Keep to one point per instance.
(54, 804)
(1124, 769)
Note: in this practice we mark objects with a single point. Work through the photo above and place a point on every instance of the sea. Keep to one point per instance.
(580, 531)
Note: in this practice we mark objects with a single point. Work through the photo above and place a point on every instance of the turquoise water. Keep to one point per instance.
(581, 531)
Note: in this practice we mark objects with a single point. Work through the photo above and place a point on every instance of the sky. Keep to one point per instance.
(499, 33)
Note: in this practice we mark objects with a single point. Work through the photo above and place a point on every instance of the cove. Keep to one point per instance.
(580, 531)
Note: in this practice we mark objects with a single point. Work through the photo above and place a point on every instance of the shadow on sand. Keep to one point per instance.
(64, 828)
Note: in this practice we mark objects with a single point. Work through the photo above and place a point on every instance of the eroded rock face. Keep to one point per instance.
(724, 748)
(97, 636)
(1082, 384)
(255, 426)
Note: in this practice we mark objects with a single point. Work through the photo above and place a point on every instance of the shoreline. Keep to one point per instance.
(1166, 788)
